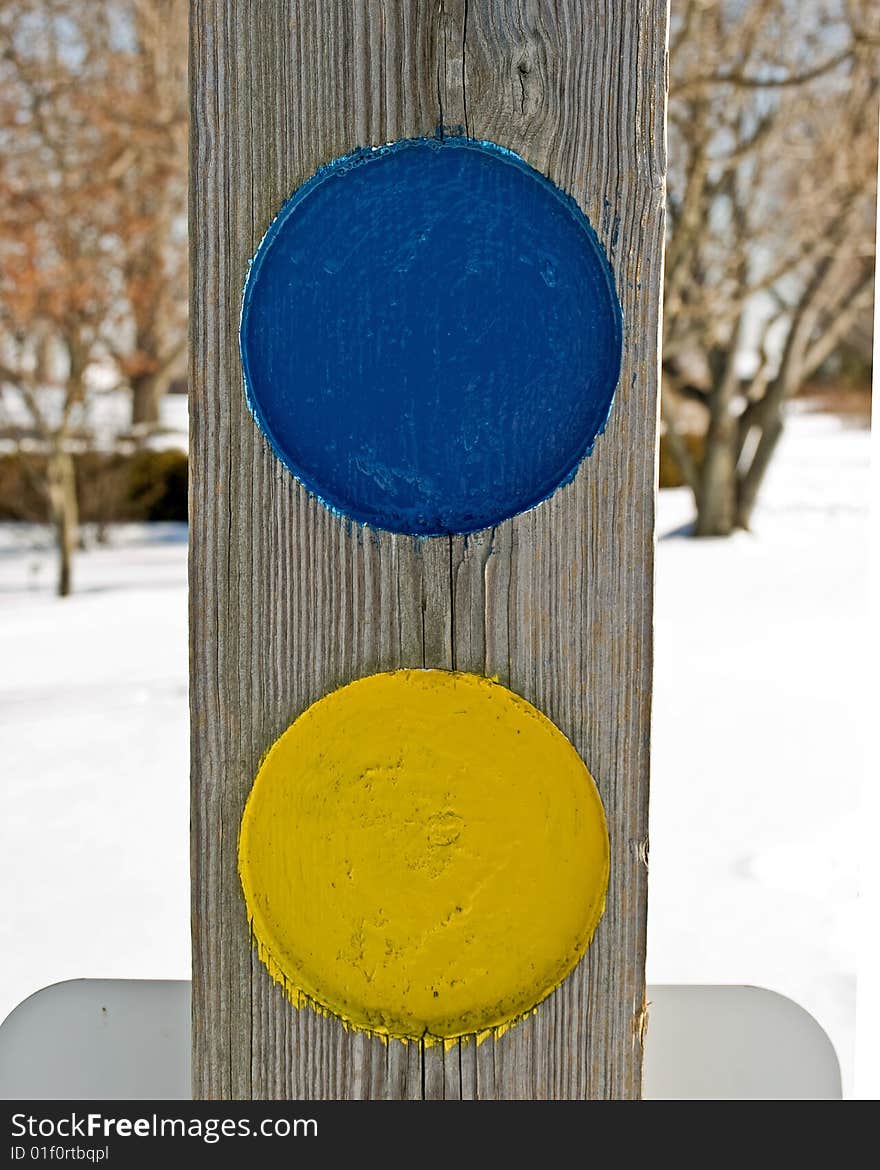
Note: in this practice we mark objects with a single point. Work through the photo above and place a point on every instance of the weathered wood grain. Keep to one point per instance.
(288, 602)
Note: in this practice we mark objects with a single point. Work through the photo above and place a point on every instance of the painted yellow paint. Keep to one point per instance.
(424, 855)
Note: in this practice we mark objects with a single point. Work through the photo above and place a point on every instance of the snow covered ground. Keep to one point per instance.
(759, 740)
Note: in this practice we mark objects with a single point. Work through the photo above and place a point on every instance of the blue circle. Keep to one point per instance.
(430, 336)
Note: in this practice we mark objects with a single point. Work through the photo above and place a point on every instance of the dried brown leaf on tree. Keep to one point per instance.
(93, 285)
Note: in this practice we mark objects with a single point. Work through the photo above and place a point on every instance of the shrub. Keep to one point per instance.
(670, 473)
(141, 486)
(158, 484)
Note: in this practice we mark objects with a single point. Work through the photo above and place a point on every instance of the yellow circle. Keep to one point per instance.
(424, 855)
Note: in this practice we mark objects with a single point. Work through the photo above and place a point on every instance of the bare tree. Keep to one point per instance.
(56, 287)
(772, 196)
(92, 227)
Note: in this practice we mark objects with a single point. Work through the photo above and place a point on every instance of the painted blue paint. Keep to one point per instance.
(430, 336)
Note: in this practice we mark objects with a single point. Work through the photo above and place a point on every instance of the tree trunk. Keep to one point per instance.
(146, 398)
(65, 515)
(716, 498)
(747, 494)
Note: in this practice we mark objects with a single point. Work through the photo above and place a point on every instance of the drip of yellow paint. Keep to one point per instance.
(423, 855)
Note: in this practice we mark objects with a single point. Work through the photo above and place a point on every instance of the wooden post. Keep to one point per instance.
(288, 602)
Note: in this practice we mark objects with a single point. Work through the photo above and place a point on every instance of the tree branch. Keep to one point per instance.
(745, 81)
(842, 322)
(20, 381)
